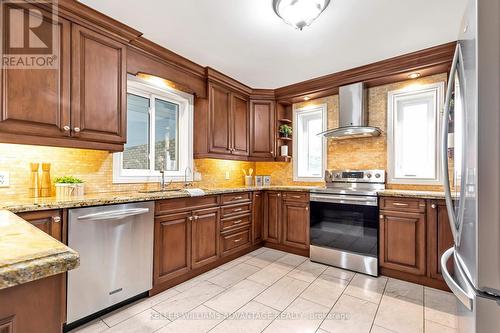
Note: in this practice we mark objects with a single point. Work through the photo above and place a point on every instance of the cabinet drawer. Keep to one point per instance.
(296, 196)
(235, 240)
(232, 210)
(402, 204)
(236, 197)
(235, 222)
(169, 206)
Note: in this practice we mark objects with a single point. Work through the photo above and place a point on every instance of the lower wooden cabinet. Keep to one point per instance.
(172, 246)
(296, 224)
(235, 240)
(272, 217)
(49, 221)
(257, 216)
(439, 237)
(204, 237)
(402, 241)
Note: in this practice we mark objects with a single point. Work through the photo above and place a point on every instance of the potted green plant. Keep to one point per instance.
(69, 186)
(285, 130)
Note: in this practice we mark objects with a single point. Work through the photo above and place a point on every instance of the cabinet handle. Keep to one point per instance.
(279, 194)
(76, 129)
(307, 208)
(237, 222)
(433, 206)
(400, 204)
(296, 196)
(190, 218)
(56, 219)
(381, 216)
(238, 240)
(196, 217)
(237, 198)
(66, 128)
(237, 210)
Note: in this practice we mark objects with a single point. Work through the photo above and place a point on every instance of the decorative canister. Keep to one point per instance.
(248, 180)
(284, 150)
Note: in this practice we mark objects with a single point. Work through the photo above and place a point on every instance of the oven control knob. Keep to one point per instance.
(369, 175)
(377, 175)
(337, 175)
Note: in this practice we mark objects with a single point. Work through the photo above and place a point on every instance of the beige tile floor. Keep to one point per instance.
(273, 291)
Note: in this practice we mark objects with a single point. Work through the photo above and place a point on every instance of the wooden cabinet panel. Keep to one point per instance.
(36, 101)
(257, 216)
(236, 197)
(440, 237)
(296, 224)
(172, 248)
(262, 129)
(272, 219)
(238, 209)
(49, 221)
(99, 87)
(402, 242)
(402, 204)
(236, 240)
(239, 128)
(296, 196)
(235, 222)
(169, 206)
(205, 237)
(219, 134)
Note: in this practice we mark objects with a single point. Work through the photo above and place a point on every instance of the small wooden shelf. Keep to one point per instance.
(283, 158)
(284, 139)
(286, 121)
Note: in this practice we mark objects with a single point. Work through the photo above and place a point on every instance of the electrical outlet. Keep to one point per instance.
(4, 179)
(197, 176)
(227, 175)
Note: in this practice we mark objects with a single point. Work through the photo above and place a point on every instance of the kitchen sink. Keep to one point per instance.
(162, 191)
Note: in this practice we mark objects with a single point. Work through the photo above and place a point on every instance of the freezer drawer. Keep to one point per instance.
(115, 244)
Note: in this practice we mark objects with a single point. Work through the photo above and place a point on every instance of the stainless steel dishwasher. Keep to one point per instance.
(115, 244)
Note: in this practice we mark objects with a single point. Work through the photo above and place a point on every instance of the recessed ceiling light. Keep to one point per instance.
(299, 13)
(414, 75)
(307, 98)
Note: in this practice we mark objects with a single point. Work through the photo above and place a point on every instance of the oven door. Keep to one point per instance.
(345, 222)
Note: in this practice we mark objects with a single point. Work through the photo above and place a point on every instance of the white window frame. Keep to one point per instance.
(296, 113)
(437, 91)
(143, 88)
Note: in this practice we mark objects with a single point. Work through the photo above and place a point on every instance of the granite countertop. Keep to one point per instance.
(96, 199)
(412, 194)
(28, 254)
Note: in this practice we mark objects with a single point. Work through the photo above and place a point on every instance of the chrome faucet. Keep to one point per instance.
(163, 185)
(186, 184)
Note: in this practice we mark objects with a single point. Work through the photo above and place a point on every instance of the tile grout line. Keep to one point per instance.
(378, 305)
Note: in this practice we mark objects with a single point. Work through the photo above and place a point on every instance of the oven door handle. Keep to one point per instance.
(345, 199)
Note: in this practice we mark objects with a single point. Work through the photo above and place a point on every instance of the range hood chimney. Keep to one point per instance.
(353, 114)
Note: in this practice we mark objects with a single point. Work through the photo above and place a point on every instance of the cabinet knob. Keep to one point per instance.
(279, 194)
(190, 218)
(381, 216)
(66, 128)
(196, 217)
(76, 129)
(433, 206)
(56, 219)
(307, 208)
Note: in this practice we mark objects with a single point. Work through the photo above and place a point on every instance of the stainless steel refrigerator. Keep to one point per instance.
(471, 168)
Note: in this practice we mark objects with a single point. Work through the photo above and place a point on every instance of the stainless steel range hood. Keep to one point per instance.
(353, 114)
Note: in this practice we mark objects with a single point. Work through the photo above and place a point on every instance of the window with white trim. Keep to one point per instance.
(309, 148)
(413, 135)
(159, 134)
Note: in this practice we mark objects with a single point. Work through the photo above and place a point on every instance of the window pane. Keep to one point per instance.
(166, 135)
(309, 144)
(415, 138)
(136, 152)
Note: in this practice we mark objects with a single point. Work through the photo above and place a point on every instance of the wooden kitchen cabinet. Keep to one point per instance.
(402, 242)
(49, 221)
(439, 237)
(172, 246)
(205, 237)
(239, 125)
(262, 129)
(272, 217)
(35, 102)
(295, 223)
(98, 87)
(257, 216)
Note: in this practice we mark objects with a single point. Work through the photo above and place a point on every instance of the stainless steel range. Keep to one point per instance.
(344, 220)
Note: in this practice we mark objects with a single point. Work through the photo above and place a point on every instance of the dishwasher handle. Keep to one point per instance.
(114, 214)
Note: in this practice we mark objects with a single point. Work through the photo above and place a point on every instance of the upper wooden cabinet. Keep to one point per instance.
(262, 129)
(228, 122)
(98, 87)
(35, 101)
(81, 102)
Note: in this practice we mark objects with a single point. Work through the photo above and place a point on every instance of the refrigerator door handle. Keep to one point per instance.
(465, 297)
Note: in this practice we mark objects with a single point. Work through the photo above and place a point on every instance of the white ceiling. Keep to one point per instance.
(247, 41)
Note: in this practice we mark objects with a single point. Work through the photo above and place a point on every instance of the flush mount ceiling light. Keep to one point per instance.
(299, 13)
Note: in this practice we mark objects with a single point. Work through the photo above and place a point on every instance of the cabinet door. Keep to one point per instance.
(402, 242)
(205, 237)
(439, 237)
(172, 246)
(262, 129)
(239, 126)
(272, 218)
(36, 101)
(295, 222)
(257, 216)
(219, 133)
(49, 221)
(98, 87)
